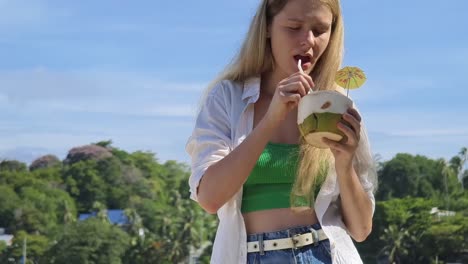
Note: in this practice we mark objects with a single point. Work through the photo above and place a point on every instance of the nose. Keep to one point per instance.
(308, 39)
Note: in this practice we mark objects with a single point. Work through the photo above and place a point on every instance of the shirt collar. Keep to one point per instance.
(251, 89)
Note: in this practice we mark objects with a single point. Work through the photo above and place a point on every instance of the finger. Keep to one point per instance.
(355, 114)
(287, 97)
(353, 122)
(307, 76)
(309, 80)
(296, 86)
(290, 77)
(305, 79)
(306, 83)
(334, 145)
(350, 134)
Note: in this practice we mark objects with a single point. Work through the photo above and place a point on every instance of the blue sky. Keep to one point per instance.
(76, 72)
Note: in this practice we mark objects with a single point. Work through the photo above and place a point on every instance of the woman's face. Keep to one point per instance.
(300, 31)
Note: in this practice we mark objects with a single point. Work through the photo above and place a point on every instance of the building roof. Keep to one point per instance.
(116, 217)
(7, 238)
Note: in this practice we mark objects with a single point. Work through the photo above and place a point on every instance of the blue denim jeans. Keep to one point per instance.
(308, 254)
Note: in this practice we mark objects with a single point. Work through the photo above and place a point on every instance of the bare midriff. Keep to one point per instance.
(278, 219)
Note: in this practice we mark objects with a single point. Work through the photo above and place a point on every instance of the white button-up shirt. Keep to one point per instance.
(224, 121)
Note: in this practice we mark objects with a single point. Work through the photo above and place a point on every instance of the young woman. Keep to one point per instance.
(278, 199)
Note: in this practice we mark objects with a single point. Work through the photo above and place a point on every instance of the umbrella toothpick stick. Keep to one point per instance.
(347, 88)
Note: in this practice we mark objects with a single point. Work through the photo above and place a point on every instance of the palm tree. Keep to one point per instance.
(135, 229)
(446, 172)
(397, 239)
(463, 154)
(377, 159)
(101, 211)
(68, 216)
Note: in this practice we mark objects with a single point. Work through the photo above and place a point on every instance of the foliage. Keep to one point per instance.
(404, 230)
(41, 205)
(89, 241)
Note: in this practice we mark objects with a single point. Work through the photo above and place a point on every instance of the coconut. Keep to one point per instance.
(318, 115)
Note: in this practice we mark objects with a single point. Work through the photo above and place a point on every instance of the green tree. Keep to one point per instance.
(395, 248)
(104, 143)
(44, 202)
(8, 203)
(175, 223)
(3, 247)
(13, 165)
(41, 210)
(398, 225)
(89, 242)
(445, 238)
(416, 176)
(85, 184)
(37, 245)
(458, 163)
(397, 177)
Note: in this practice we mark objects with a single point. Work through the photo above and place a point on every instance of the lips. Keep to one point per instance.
(304, 58)
(306, 61)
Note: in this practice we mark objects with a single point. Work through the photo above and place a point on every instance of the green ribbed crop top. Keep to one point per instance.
(270, 183)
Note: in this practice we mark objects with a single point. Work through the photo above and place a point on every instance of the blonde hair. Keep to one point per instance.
(255, 58)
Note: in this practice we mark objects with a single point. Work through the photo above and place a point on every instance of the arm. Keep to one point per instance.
(217, 172)
(357, 208)
(357, 205)
(233, 169)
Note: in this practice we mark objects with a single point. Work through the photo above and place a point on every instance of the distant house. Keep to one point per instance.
(116, 217)
(436, 213)
(8, 239)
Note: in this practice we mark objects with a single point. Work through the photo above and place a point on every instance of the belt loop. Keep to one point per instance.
(293, 239)
(261, 245)
(315, 236)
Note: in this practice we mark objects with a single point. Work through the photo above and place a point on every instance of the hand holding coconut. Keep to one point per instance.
(327, 118)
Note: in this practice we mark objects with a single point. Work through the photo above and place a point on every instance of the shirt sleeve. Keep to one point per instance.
(211, 138)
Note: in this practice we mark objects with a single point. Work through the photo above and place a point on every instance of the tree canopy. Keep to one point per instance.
(421, 211)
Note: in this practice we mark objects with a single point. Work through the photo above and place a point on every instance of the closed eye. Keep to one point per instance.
(318, 33)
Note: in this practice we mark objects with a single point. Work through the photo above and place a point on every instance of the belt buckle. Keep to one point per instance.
(295, 241)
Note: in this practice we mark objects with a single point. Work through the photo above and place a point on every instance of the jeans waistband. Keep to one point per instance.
(289, 232)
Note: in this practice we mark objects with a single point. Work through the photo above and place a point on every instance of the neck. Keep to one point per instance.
(270, 81)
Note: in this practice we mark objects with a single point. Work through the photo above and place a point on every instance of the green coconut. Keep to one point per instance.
(319, 125)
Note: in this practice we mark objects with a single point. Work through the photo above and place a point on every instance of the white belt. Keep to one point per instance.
(297, 241)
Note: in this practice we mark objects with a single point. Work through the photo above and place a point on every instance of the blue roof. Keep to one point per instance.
(116, 217)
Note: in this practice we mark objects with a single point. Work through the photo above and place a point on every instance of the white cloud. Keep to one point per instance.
(28, 154)
(98, 91)
(409, 129)
(109, 107)
(414, 122)
(19, 15)
(381, 90)
(431, 132)
(21, 12)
